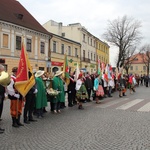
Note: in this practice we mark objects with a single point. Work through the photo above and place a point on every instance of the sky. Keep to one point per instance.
(92, 14)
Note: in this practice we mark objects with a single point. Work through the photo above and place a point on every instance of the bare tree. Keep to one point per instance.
(146, 56)
(130, 56)
(123, 33)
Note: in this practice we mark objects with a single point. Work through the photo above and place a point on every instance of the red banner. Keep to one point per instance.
(54, 63)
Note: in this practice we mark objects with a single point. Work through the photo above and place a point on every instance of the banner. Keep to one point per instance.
(99, 69)
(66, 70)
(25, 78)
(77, 72)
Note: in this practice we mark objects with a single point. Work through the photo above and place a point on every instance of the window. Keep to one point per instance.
(91, 56)
(88, 40)
(76, 52)
(136, 67)
(54, 46)
(5, 40)
(83, 37)
(18, 42)
(91, 42)
(69, 50)
(94, 57)
(28, 45)
(88, 54)
(41, 68)
(144, 68)
(94, 43)
(62, 48)
(131, 67)
(42, 47)
(83, 53)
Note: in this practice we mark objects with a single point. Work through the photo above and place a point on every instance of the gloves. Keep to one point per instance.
(35, 91)
(17, 96)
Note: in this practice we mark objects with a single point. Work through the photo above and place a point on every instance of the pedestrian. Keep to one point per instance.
(105, 83)
(71, 90)
(98, 88)
(41, 96)
(81, 92)
(29, 105)
(121, 85)
(16, 100)
(88, 85)
(58, 85)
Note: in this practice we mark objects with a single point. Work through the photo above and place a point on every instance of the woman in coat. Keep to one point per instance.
(98, 88)
(41, 98)
(81, 92)
(57, 84)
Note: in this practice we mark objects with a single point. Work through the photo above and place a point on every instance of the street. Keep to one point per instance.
(115, 124)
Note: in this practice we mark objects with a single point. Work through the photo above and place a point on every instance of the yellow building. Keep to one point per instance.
(17, 26)
(80, 34)
(102, 50)
(137, 65)
(61, 46)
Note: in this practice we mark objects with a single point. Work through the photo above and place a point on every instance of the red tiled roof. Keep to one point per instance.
(138, 58)
(9, 10)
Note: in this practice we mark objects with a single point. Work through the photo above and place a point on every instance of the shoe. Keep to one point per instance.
(20, 124)
(120, 96)
(1, 132)
(70, 105)
(97, 102)
(44, 111)
(26, 121)
(80, 107)
(0, 119)
(59, 111)
(110, 96)
(55, 112)
(2, 129)
(32, 120)
(15, 125)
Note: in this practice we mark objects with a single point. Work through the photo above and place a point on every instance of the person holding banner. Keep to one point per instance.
(16, 101)
(81, 92)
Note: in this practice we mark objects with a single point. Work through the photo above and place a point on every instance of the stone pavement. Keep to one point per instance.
(94, 128)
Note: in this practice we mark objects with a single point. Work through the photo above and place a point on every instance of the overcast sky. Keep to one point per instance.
(92, 14)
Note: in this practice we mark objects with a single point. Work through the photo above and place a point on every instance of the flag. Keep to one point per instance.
(99, 68)
(66, 70)
(103, 66)
(109, 72)
(77, 72)
(25, 78)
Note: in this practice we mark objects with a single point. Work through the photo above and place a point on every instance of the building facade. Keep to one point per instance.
(102, 50)
(18, 26)
(61, 46)
(137, 65)
(78, 33)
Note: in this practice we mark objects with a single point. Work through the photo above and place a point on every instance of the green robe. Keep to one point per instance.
(41, 98)
(57, 84)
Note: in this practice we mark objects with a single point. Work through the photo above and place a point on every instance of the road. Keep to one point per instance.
(115, 124)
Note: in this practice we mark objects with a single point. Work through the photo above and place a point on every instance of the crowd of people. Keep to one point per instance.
(86, 88)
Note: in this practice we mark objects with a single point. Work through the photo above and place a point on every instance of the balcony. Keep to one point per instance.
(85, 59)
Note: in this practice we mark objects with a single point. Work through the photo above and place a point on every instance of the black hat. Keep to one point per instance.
(14, 69)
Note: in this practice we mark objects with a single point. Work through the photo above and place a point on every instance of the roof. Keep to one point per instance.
(138, 58)
(13, 12)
